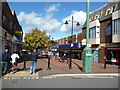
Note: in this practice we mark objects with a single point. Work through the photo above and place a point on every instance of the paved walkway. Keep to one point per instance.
(62, 68)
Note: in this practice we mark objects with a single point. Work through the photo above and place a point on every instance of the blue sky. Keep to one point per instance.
(50, 16)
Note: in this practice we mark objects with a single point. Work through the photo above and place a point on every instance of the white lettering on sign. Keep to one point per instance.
(88, 54)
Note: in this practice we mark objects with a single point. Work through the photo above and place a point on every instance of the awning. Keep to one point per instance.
(66, 46)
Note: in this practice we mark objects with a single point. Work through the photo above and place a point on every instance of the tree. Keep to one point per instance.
(36, 39)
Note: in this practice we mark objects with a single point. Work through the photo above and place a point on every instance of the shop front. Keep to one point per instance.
(64, 49)
(112, 54)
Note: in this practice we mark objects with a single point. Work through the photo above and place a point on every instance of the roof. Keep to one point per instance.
(103, 10)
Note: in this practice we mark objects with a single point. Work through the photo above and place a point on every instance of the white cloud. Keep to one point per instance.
(79, 16)
(53, 8)
(47, 23)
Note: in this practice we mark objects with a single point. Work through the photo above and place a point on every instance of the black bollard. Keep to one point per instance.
(48, 64)
(105, 64)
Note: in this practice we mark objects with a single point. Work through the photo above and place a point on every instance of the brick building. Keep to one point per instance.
(9, 25)
(104, 34)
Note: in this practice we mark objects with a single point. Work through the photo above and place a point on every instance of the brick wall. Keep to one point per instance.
(74, 39)
(101, 55)
(83, 33)
(103, 38)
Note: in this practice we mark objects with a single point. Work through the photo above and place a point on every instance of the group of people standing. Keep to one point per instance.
(14, 57)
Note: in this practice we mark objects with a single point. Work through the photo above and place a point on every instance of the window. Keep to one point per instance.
(116, 26)
(119, 56)
(111, 55)
(10, 25)
(108, 30)
(107, 12)
(5, 20)
(100, 14)
(92, 32)
(96, 16)
(113, 8)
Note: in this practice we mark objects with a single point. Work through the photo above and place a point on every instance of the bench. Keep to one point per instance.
(62, 58)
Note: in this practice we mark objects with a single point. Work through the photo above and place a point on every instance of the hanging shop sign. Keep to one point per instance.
(18, 32)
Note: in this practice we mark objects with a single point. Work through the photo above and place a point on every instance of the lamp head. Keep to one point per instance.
(66, 22)
(78, 24)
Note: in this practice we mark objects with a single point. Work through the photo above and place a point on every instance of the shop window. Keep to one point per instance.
(111, 55)
(119, 56)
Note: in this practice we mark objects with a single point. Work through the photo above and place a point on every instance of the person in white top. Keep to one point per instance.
(14, 57)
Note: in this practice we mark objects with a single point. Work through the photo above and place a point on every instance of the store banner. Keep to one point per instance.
(73, 45)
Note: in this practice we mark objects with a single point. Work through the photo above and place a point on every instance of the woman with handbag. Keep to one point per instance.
(14, 57)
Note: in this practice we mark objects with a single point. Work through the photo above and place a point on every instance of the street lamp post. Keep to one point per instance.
(48, 56)
(87, 52)
(71, 39)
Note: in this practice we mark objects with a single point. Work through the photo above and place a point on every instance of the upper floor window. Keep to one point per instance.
(92, 33)
(107, 12)
(108, 30)
(116, 26)
(114, 8)
(100, 14)
(5, 20)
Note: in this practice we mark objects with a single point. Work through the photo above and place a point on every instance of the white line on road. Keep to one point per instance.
(105, 74)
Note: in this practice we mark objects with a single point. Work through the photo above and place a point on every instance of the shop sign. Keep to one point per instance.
(113, 48)
(71, 45)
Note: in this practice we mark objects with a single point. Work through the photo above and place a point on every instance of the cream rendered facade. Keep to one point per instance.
(96, 39)
(116, 29)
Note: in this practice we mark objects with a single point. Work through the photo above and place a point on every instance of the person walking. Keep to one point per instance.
(14, 57)
(33, 56)
(24, 58)
(5, 60)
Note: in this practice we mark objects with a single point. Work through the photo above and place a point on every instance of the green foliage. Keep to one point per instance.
(36, 39)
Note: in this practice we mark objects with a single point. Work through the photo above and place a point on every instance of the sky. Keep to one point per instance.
(51, 16)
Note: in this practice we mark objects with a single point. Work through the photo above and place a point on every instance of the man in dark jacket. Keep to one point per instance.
(5, 60)
(24, 58)
(33, 57)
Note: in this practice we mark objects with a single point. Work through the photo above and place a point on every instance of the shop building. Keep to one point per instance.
(9, 25)
(104, 34)
(103, 37)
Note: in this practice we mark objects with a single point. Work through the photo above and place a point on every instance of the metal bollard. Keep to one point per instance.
(105, 64)
(48, 64)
